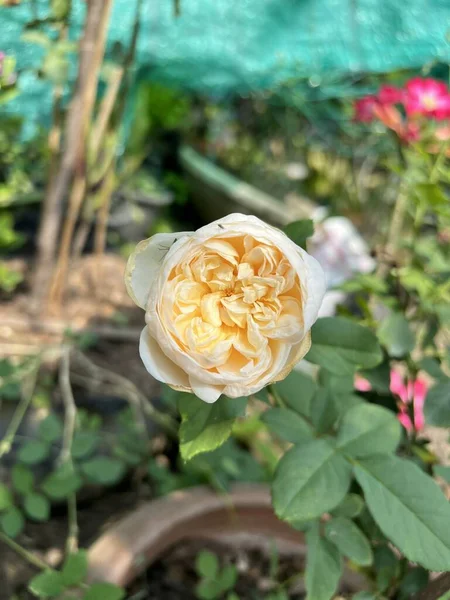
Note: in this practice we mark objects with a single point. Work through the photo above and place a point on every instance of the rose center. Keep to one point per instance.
(231, 300)
(429, 101)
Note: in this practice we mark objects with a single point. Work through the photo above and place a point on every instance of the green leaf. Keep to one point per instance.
(36, 37)
(396, 335)
(297, 390)
(336, 383)
(323, 410)
(379, 377)
(33, 452)
(207, 589)
(442, 471)
(342, 346)
(311, 478)
(349, 540)
(47, 584)
(104, 591)
(287, 425)
(75, 568)
(323, 566)
(84, 443)
(437, 405)
(368, 429)
(414, 581)
(227, 578)
(37, 507)
(205, 426)
(387, 567)
(61, 483)
(104, 470)
(51, 428)
(6, 500)
(351, 506)
(207, 564)
(300, 231)
(364, 283)
(343, 402)
(431, 195)
(126, 455)
(12, 522)
(22, 479)
(432, 367)
(365, 596)
(409, 507)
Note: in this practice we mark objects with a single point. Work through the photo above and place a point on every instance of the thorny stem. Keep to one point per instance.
(28, 556)
(22, 407)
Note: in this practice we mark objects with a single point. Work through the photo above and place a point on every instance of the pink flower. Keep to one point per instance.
(389, 94)
(413, 393)
(364, 109)
(429, 97)
(361, 384)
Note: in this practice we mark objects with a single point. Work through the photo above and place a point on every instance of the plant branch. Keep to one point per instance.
(136, 398)
(28, 556)
(26, 397)
(69, 406)
(66, 455)
(435, 589)
(73, 163)
(395, 230)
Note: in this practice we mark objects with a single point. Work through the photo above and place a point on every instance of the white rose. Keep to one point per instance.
(229, 307)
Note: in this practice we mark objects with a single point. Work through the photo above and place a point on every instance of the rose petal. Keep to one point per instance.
(207, 393)
(157, 363)
(405, 421)
(398, 387)
(144, 265)
(362, 385)
(420, 392)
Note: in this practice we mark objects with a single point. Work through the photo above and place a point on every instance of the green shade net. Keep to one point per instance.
(223, 47)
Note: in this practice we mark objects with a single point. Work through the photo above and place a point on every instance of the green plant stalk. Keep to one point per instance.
(442, 155)
(276, 396)
(28, 556)
(66, 452)
(72, 537)
(22, 407)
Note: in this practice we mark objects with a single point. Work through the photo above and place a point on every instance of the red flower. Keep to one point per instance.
(364, 109)
(427, 97)
(389, 94)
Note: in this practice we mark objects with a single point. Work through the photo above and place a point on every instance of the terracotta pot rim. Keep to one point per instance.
(138, 540)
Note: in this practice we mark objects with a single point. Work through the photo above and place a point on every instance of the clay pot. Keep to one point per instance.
(243, 518)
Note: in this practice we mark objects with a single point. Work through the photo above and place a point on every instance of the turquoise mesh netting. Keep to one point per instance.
(227, 46)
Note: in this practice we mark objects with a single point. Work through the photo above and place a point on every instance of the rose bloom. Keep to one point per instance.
(364, 109)
(229, 307)
(427, 96)
(389, 94)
